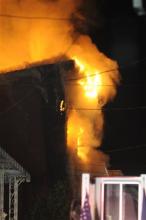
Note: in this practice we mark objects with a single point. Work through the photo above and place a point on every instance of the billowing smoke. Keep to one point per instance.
(34, 30)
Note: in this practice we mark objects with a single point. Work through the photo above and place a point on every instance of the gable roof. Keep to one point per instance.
(11, 167)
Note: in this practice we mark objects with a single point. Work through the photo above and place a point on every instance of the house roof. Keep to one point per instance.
(11, 167)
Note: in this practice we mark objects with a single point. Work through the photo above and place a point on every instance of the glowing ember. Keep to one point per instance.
(62, 106)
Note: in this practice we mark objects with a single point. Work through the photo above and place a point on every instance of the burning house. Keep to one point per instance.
(57, 138)
(53, 110)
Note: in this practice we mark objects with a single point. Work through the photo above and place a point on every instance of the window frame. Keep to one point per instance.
(100, 195)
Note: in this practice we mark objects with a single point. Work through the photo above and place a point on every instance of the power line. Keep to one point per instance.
(78, 109)
(83, 19)
(107, 85)
(102, 72)
(18, 102)
(109, 109)
(34, 17)
(70, 83)
(64, 19)
(126, 148)
(111, 70)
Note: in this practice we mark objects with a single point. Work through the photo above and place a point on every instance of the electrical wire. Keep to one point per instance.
(70, 83)
(102, 72)
(111, 70)
(109, 109)
(33, 17)
(80, 109)
(60, 19)
(18, 102)
(108, 85)
(126, 148)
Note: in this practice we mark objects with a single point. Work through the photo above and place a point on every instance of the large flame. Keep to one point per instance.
(91, 82)
(93, 86)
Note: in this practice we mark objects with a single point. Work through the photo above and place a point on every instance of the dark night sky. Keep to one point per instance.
(122, 37)
(120, 34)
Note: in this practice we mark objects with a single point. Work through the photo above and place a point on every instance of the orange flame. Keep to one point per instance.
(86, 121)
(91, 81)
(76, 135)
(91, 84)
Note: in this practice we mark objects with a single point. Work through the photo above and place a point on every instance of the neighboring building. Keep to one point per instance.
(33, 126)
(12, 175)
(114, 197)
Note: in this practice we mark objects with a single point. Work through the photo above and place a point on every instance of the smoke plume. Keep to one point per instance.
(34, 30)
